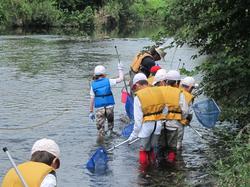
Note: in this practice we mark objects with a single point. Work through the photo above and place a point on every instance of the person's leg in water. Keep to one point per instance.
(100, 122)
(180, 136)
(172, 136)
(153, 150)
(110, 118)
(144, 160)
(161, 147)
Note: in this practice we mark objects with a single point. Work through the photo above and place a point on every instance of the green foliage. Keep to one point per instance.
(220, 29)
(80, 19)
(233, 169)
(73, 5)
(227, 80)
(29, 13)
(150, 10)
(2, 13)
(44, 13)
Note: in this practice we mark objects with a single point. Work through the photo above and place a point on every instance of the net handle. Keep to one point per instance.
(112, 148)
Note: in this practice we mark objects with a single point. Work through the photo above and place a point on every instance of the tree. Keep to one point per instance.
(221, 30)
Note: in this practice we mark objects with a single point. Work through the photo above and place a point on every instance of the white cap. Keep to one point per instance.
(99, 70)
(47, 145)
(173, 75)
(188, 81)
(161, 52)
(160, 76)
(139, 77)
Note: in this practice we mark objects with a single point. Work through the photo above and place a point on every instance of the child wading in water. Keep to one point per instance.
(101, 98)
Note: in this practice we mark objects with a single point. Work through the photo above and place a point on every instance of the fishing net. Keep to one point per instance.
(98, 161)
(127, 130)
(129, 107)
(207, 112)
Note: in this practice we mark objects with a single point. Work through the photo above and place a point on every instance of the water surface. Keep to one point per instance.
(44, 91)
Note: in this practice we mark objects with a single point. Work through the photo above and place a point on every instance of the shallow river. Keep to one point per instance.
(44, 92)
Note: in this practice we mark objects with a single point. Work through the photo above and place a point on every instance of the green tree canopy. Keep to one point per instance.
(221, 30)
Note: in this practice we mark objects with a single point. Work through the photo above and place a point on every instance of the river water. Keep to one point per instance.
(44, 91)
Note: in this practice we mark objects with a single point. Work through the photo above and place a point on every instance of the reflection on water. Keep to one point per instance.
(45, 93)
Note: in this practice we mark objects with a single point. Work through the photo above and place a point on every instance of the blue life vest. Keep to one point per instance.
(103, 93)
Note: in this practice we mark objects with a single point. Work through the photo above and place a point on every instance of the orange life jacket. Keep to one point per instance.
(171, 99)
(152, 103)
(32, 172)
(135, 66)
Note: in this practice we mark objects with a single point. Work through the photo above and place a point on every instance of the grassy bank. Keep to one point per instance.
(231, 166)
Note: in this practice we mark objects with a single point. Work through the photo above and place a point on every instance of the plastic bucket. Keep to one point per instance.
(124, 95)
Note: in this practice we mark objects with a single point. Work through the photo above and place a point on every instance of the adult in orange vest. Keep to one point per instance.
(144, 61)
(40, 170)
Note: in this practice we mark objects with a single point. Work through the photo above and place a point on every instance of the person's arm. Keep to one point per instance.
(120, 77)
(113, 82)
(183, 105)
(49, 181)
(92, 97)
(138, 117)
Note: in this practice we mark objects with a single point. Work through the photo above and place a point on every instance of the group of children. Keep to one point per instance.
(161, 105)
(162, 108)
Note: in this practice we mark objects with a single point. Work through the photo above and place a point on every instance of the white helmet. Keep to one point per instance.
(99, 70)
(139, 77)
(160, 76)
(173, 75)
(188, 81)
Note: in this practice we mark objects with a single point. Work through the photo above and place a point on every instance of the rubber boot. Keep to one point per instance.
(171, 156)
(143, 157)
(143, 160)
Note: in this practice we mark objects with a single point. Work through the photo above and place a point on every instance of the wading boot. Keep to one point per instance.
(143, 160)
(171, 156)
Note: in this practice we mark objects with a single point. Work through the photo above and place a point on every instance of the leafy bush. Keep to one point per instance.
(30, 13)
(44, 13)
(219, 29)
(80, 19)
(150, 11)
(233, 169)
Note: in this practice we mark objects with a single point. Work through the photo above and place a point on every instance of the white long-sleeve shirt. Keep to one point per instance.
(142, 130)
(49, 181)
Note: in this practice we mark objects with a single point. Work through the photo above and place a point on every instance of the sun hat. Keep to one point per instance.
(47, 145)
(100, 70)
(139, 77)
(160, 76)
(173, 75)
(161, 52)
(188, 81)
